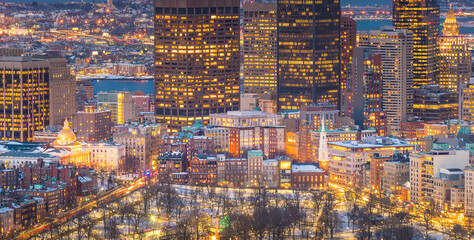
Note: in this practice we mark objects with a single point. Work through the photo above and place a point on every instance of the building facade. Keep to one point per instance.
(25, 109)
(396, 50)
(422, 18)
(425, 168)
(92, 125)
(308, 53)
(454, 55)
(197, 60)
(62, 90)
(348, 44)
(120, 104)
(260, 47)
(347, 159)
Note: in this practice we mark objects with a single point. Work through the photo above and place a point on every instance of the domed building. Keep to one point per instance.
(66, 136)
(69, 149)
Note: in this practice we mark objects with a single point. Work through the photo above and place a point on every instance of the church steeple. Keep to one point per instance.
(323, 153)
(450, 25)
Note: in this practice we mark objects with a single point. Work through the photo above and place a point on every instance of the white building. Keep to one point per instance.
(270, 173)
(426, 167)
(107, 156)
(469, 191)
(347, 158)
(19, 159)
(395, 46)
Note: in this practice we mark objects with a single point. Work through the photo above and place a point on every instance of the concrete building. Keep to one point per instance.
(347, 159)
(454, 55)
(119, 103)
(92, 125)
(311, 120)
(7, 221)
(248, 101)
(248, 130)
(307, 176)
(107, 156)
(396, 173)
(435, 103)
(220, 136)
(396, 50)
(19, 159)
(197, 71)
(141, 142)
(422, 18)
(203, 170)
(448, 191)
(425, 167)
(469, 191)
(260, 47)
(466, 102)
(232, 172)
(270, 173)
(62, 90)
(255, 168)
(26, 107)
(348, 44)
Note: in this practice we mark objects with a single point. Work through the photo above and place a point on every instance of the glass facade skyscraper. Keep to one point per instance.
(308, 52)
(197, 60)
(422, 18)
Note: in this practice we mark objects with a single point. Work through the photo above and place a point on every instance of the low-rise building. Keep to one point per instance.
(306, 176)
(231, 172)
(7, 221)
(425, 167)
(347, 159)
(396, 173)
(107, 156)
(469, 191)
(448, 192)
(203, 170)
(270, 173)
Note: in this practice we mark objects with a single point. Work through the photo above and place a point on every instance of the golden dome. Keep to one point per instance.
(66, 136)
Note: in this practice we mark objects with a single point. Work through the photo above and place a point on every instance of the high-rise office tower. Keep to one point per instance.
(395, 46)
(422, 18)
(260, 47)
(454, 55)
(62, 85)
(348, 44)
(24, 99)
(365, 81)
(197, 59)
(308, 52)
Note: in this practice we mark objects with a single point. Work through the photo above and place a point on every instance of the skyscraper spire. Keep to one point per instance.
(450, 25)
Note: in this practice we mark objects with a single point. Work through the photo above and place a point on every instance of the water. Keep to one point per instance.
(366, 25)
(130, 86)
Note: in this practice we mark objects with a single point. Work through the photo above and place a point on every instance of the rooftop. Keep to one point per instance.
(306, 167)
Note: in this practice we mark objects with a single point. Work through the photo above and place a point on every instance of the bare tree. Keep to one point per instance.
(427, 217)
(136, 219)
(278, 222)
(458, 231)
(260, 222)
(113, 231)
(239, 226)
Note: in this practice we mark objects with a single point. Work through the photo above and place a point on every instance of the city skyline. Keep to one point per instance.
(228, 119)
